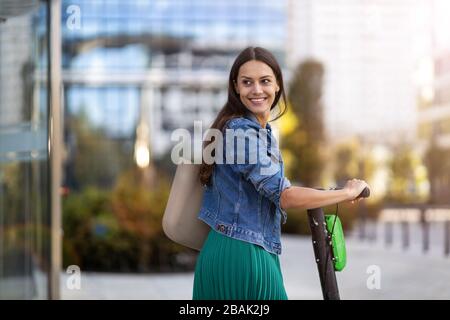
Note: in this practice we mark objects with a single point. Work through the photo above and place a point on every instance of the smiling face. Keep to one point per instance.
(257, 87)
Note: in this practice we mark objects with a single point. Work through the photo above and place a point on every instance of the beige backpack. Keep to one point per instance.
(180, 221)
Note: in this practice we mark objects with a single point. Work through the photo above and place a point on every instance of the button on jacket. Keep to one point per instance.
(243, 199)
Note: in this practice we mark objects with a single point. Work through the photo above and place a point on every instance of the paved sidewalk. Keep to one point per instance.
(404, 275)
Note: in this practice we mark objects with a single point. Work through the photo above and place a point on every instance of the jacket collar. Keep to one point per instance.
(249, 115)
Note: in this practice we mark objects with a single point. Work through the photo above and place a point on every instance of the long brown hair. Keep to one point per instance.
(234, 107)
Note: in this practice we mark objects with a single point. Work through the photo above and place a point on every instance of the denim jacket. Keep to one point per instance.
(243, 199)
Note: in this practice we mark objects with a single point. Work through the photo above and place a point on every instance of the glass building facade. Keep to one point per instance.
(156, 64)
(25, 215)
(132, 72)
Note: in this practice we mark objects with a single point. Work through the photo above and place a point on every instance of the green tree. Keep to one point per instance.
(306, 142)
(352, 159)
(138, 200)
(303, 144)
(93, 238)
(346, 164)
(403, 185)
(94, 159)
(437, 162)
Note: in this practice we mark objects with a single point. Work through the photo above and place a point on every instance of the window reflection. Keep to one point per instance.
(133, 73)
(24, 191)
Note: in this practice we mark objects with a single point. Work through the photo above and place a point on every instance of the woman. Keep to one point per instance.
(244, 201)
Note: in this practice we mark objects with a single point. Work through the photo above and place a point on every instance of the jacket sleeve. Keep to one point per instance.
(257, 160)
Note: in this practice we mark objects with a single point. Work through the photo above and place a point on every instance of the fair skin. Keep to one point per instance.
(257, 87)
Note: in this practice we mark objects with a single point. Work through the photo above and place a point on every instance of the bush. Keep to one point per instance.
(297, 222)
(121, 230)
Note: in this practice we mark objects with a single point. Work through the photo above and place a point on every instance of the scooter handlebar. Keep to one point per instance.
(364, 194)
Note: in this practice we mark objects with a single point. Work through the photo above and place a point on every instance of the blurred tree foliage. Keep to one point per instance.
(437, 162)
(112, 215)
(93, 158)
(403, 185)
(303, 136)
(138, 201)
(121, 230)
(351, 160)
(93, 238)
(24, 217)
(346, 164)
(305, 150)
(306, 141)
(297, 222)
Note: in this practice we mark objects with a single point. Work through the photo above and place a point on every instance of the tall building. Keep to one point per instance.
(159, 64)
(434, 104)
(368, 50)
(434, 116)
(434, 87)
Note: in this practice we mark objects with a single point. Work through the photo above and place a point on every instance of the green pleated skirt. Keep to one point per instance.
(231, 269)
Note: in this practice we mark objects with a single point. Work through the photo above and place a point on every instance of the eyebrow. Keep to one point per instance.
(267, 76)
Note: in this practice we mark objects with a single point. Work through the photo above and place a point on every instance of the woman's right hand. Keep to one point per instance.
(354, 188)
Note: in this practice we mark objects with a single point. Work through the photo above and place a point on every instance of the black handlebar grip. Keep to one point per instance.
(364, 194)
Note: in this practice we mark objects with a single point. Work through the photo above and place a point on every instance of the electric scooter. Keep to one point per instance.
(329, 247)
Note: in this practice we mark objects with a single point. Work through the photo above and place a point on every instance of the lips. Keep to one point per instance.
(258, 101)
